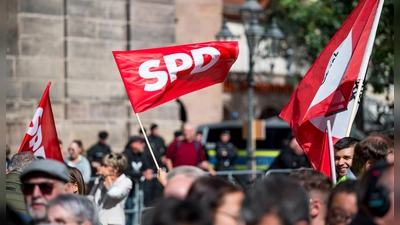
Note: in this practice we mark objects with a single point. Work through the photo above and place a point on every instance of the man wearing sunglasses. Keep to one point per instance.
(42, 181)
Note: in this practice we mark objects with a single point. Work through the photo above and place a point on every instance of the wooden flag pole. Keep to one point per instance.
(147, 141)
(331, 154)
(354, 109)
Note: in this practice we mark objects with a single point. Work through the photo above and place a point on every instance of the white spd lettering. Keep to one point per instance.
(36, 130)
(173, 68)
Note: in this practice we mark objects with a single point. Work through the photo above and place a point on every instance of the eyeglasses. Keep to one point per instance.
(338, 216)
(45, 188)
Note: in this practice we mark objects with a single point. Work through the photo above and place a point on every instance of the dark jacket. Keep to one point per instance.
(362, 218)
(96, 154)
(14, 196)
(287, 159)
(225, 162)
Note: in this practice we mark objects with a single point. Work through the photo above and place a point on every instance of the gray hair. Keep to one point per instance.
(20, 161)
(187, 171)
(82, 208)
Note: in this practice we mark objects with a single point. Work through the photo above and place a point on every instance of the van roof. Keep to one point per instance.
(274, 121)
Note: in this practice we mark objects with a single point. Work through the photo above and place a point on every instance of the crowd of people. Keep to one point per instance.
(186, 189)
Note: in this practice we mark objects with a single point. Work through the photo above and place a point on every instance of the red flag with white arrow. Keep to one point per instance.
(325, 92)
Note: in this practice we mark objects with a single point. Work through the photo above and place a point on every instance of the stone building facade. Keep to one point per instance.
(69, 42)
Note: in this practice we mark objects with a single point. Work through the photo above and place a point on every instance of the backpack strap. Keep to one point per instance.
(178, 144)
(196, 146)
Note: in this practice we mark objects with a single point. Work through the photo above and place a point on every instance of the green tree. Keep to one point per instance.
(310, 24)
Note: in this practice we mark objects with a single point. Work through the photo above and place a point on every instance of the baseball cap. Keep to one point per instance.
(136, 138)
(48, 166)
(225, 132)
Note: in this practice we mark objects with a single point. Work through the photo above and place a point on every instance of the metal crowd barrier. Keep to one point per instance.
(138, 200)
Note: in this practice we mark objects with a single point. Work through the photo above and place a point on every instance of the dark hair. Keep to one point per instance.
(153, 126)
(177, 133)
(79, 143)
(103, 135)
(345, 142)
(373, 148)
(59, 141)
(172, 211)
(313, 180)
(140, 130)
(75, 176)
(347, 187)
(8, 150)
(279, 195)
(209, 191)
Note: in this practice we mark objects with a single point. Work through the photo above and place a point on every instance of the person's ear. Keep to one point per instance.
(315, 207)
(75, 188)
(367, 165)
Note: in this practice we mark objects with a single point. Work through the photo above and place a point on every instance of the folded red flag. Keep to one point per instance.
(158, 75)
(41, 138)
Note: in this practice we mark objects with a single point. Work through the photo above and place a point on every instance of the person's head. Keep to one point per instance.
(136, 144)
(342, 203)
(72, 209)
(180, 179)
(43, 180)
(344, 153)
(174, 211)
(60, 143)
(19, 161)
(103, 136)
(8, 151)
(76, 184)
(154, 129)
(178, 135)
(75, 149)
(318, 186)
(140, 132)
(296, 148)
(369, 151)
(115, 163)
(199, 136)
(278, 199)
(188, 132)
(220, 196)
(225, 136)
(376, 192)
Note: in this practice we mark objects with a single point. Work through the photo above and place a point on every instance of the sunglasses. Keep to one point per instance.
(110, 156)
(45, 188)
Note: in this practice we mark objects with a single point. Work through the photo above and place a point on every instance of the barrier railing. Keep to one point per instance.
(138, 199)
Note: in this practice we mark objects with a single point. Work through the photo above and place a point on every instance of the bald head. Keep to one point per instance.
(188, 132)
(178, 186)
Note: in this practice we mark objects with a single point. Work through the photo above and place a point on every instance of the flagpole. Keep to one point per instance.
(354, 109)
(147, 141)
(364, 63)
(331, 154)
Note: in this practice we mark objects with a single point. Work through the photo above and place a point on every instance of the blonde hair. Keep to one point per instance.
(116, 160)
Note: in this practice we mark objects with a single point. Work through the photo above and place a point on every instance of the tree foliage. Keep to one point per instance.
(310, 24)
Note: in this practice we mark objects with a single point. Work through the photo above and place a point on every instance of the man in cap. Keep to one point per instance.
(96, 153)
(226, 152)
(42, 181)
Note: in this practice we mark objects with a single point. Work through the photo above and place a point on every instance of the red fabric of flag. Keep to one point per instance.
(325, 91)
(41, 137)
(158, 75)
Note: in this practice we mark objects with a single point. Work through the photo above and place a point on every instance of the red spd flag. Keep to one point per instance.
(41, 138)
(158, 75)
(327, 90)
